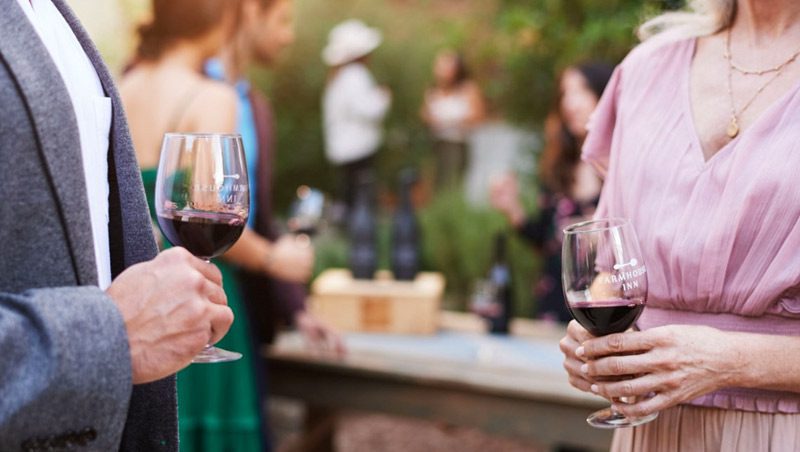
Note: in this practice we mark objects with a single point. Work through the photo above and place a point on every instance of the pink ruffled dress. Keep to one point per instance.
(720, 238)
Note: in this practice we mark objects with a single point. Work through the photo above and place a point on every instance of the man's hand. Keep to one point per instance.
(291, 259)
(172, 306)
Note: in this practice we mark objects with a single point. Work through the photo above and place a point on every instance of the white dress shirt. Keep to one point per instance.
(353, 108)
(93, 112)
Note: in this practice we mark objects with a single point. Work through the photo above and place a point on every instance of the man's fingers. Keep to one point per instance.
(207, 269)
(221, 318)
(215, 293)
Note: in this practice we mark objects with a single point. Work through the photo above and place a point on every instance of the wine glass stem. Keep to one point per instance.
(207, 261)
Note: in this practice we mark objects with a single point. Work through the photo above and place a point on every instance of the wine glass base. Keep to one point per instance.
(608, 418)
(213, 354)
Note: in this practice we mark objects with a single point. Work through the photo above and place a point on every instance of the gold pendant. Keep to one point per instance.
(733, 129)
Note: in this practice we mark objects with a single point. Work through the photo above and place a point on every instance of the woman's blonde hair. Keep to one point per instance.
(701, 18)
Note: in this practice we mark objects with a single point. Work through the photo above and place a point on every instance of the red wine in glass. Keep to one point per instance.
(203, 200)
(605, 287)
(205, 234)
(604, 317)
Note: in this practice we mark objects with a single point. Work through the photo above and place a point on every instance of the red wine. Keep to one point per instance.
(204, 234)
(608, 316)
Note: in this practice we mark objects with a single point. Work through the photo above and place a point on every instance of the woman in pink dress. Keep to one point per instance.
(698, 138)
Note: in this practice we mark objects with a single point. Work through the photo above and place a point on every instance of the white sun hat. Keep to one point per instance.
(350, 40)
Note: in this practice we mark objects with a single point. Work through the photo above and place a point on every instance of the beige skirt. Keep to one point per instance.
(700, 429)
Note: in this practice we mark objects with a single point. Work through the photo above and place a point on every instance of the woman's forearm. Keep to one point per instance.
(764, 361)
(250, 252)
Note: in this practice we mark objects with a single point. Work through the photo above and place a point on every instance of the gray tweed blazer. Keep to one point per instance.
(65, 377)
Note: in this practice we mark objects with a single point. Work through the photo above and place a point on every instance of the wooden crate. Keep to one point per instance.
(379, 305)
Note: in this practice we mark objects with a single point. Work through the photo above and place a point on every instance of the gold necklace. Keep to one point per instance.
(733, 127)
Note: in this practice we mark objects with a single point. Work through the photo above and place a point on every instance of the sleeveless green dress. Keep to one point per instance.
(218, 403)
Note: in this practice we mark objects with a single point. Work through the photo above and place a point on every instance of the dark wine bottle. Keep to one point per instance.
(500, 277)
(405, 232)
(362, 231)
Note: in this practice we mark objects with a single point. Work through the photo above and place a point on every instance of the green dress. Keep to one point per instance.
(218, 403)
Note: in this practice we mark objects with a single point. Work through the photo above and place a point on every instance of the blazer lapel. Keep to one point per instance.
(56, 128)
(130, 233)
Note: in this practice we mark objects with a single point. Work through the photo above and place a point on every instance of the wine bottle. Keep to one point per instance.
(500, 278)
(405, 232)
(362, 231)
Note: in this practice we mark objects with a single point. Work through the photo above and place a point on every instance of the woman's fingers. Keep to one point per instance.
(632, 387)
(577, 332)
(572, 364)
(619, 365)
(646, 406)
(617, 344)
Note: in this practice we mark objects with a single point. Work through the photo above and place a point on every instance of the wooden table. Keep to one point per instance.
(506, 385)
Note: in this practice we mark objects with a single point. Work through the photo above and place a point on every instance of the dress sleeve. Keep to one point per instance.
(597, 147)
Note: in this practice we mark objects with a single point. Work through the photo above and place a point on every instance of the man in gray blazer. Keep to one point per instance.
(81, 367)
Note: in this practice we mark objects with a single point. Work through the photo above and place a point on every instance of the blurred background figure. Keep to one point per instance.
(569, 188)
(164, 91)
(452, 107)
(353, 105)
(273, 268)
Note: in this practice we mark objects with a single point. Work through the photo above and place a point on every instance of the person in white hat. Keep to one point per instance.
(354, 105)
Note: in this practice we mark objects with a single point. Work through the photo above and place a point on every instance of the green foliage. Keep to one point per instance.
(515, 48)
(458, 241)
(545, 36)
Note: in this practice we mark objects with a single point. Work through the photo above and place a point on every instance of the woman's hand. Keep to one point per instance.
(319, 336)
(504, 196)
(663, 366)
(576, 335)
(291, 258)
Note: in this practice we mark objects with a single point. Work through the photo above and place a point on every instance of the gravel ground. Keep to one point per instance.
(366, 432)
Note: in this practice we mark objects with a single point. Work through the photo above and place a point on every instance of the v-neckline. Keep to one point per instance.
(727, 147)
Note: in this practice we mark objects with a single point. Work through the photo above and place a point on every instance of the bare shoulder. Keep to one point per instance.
(215, 108)
(472, 86)
(216, 94)
(129, 83)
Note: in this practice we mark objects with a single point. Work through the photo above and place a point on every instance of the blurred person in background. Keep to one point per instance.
(164, 90)
(453, 106)
(353, 105)
(569, 189)
(273, 268)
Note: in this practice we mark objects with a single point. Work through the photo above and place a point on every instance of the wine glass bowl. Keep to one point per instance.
(202, 200)
(307, 211)
(605, 287)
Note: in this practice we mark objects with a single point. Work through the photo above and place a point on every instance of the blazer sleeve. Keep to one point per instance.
(65, 372)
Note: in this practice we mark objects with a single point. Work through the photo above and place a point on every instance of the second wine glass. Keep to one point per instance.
(605, 287)
(202, 200)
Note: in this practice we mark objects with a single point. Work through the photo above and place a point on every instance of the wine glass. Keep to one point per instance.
(605, 287)
(202, 200)
(307, 211)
